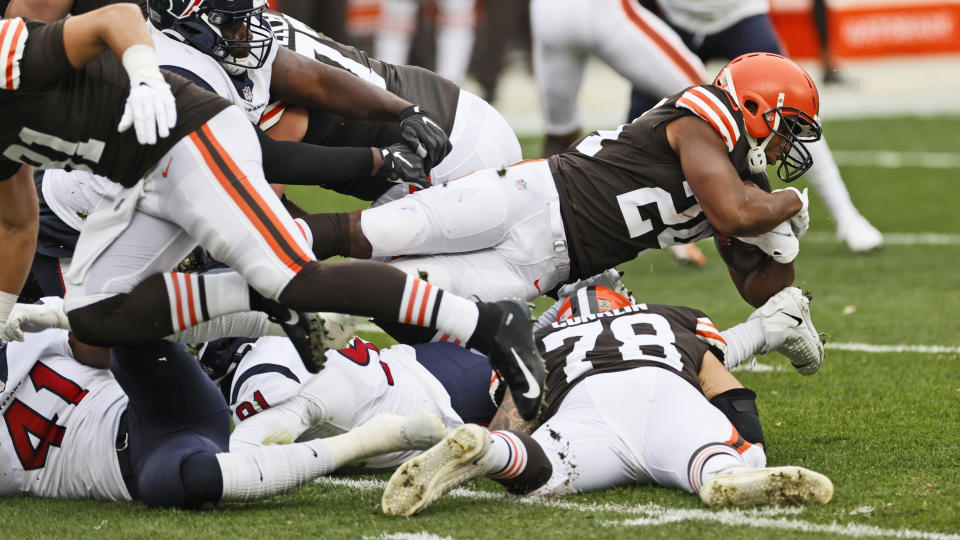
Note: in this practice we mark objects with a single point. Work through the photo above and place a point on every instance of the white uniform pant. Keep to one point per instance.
(354, 386)
(481, 139)
(641, 426)
(208, 189)
(485, 235)
(630, 39)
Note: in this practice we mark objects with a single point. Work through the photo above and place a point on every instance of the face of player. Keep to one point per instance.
(777, 147)
(237, 33)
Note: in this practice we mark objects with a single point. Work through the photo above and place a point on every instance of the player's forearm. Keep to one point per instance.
(116, 27)
(311, 84)
(18, 230)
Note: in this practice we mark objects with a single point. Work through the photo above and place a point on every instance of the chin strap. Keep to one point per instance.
(233, 69)
(756, 158)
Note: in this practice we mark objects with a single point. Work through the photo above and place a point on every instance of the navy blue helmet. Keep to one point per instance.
(231, 31)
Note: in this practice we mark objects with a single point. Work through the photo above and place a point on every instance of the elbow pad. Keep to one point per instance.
(739, 405)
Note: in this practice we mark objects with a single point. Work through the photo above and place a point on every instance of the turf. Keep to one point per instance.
(883, 426)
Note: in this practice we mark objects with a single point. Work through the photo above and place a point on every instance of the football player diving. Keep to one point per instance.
(691, 168)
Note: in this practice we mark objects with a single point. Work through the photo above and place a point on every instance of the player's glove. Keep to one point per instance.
(402, 165)
(423, 136)
(800, 222)
(151, 108)
(780, 243)
(33, 318)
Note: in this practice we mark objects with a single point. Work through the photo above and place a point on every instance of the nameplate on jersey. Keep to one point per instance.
(589, 317)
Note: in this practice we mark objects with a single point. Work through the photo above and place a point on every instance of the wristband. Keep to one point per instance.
(7, 301)
(140, 62)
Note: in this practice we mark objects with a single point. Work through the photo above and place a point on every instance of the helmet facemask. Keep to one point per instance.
(233, 33)
(250, 34)
(796, 128)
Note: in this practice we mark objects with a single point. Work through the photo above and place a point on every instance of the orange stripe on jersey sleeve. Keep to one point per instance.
(703, 114)
(17, 26)
(719, 109)
(675, 55)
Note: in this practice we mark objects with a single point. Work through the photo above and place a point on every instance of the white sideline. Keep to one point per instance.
(762, 517)
(868, 348)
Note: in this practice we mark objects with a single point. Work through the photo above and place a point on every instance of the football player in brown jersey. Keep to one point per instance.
(690, 168)
(637, 395)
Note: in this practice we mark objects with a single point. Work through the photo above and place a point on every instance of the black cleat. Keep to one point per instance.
(515, 356)
(306, 334)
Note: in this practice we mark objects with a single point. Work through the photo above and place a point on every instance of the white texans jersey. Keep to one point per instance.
(60, 423)
(704, 17)
(251, 94)
(356, 383)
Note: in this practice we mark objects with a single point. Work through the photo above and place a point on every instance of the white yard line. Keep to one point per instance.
(893, 239)
(881, 349)
(895, 160)
(652, 515)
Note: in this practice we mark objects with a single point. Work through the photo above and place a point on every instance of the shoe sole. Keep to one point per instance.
(813, 366)
(775, 485)
(427, 477)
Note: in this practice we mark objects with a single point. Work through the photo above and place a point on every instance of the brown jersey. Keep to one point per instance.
(83, 6)
(55, 116)
(622, 192)
(668, 337)
(433, 93)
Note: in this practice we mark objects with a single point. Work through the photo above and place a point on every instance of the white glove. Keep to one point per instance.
(150, 108)
(800, 221)
(33, 318)
(780, 243)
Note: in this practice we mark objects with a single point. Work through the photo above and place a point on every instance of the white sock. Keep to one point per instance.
(246, 324)
(195, 298)
(824, 177)
(258, 472)
(280, 424)
(424, 304)
(398, 21)
(505, 458)
(710, 461)
(455, 36)
(743, 342)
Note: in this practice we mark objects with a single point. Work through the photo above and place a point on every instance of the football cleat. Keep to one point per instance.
(515, 356)
(859, 235)
(788, 329)
(688, 254)
(423, 479)
(772, 485)
(306, 332)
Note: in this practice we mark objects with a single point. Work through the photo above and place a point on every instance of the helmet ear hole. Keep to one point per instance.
(751, 106)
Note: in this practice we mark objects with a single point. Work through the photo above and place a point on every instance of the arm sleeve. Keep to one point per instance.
(302, 164)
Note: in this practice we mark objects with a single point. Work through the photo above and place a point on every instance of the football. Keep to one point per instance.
(739, 255)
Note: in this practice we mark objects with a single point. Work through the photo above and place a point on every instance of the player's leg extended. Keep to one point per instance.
(560, 32)
(626, 31)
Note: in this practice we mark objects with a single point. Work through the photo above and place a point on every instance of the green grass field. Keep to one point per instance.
(881, 418)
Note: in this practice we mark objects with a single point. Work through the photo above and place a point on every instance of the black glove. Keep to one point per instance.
(423, 136)
(402, 165)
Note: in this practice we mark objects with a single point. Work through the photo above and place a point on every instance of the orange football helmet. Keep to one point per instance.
(591, 300)
(778, 99)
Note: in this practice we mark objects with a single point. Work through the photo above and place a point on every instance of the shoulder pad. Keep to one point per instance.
(714, 111)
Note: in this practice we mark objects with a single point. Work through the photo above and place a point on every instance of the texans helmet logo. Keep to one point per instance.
(182, 9)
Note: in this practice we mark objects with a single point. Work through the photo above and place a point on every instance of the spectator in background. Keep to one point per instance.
(821, 22)
(455, 34)
(326, 16)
